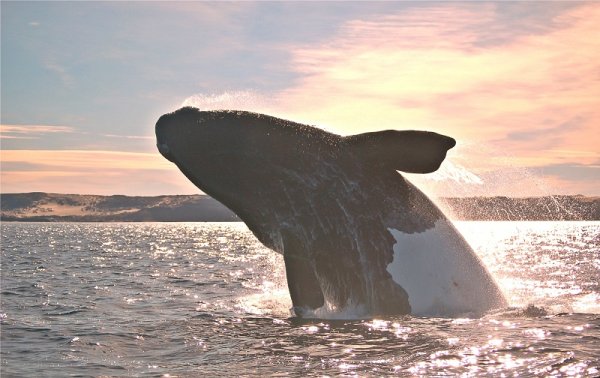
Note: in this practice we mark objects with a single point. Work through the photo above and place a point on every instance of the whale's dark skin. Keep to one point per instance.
(322, 200)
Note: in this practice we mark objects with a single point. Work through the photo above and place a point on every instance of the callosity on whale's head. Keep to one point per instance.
(350, 227)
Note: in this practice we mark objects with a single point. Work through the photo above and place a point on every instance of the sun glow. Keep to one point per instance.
(93, 172)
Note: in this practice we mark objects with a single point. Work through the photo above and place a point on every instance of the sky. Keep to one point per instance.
(517, 84)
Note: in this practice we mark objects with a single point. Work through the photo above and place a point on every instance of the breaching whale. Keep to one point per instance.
(356, 237)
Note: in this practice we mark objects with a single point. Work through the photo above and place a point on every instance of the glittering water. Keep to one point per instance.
(202, 299)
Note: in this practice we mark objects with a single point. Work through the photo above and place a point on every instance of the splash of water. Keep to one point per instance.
(239, 100)
(455, 172)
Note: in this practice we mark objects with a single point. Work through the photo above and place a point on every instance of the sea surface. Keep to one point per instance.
(207, 299)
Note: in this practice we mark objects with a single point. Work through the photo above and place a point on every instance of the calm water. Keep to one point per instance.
(207, 299)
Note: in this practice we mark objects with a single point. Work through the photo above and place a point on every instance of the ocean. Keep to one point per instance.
(207, 299)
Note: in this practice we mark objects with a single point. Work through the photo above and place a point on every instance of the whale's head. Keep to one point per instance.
(235, 155)
(207, 146)
(189, 133)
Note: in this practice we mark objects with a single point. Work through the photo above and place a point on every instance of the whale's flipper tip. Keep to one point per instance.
(408, 151)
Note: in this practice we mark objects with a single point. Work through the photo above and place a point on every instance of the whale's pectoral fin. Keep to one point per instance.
(408, 151)
(304, 287)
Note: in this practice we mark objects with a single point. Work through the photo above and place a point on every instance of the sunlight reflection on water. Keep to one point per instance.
(209, 299)
(535, 264)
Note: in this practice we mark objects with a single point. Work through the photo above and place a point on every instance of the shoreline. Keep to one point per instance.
(53, 207)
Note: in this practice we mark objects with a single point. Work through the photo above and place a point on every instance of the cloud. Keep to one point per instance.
(431, 68)
(60, 70)
(572, 178)
(99, 172)
(511, 99)
(567, 127)
(515, 83)
(571, 171)
(142, 137)
(31, 131)
(82, 159)
(514, 101)
(47, 137)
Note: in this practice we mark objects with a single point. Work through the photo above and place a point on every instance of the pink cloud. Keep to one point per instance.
(97, 172)
(83, 159)
(428, 68)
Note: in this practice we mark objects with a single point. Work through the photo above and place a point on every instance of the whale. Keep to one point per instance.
(357, 238)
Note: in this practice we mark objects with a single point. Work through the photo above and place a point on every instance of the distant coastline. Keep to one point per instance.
(52, 207)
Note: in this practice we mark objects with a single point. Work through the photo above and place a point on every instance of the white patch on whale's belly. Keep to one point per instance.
(441, 274)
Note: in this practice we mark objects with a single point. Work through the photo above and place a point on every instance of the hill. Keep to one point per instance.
(48, 207)
(51, 207)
